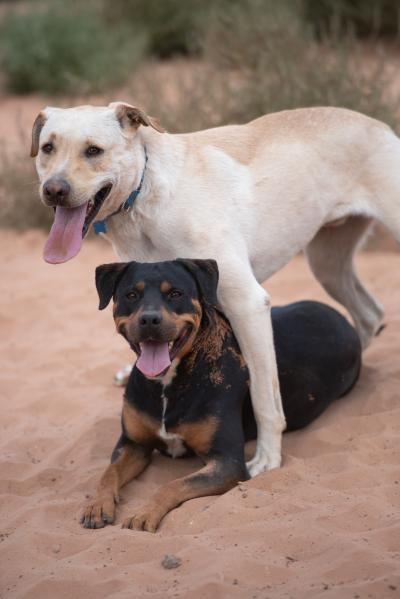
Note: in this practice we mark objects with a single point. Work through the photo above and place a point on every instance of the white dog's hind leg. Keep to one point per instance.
(330, 255)
(247, 306)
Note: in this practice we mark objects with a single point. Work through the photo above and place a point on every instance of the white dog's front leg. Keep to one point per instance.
(247, 305)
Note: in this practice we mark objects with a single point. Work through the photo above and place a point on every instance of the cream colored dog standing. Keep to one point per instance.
(250, 196)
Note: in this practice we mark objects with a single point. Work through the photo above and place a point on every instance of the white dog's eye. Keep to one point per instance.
(47, 148)
(93, 151)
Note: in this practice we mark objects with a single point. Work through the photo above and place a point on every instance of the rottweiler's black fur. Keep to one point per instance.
(202, 404)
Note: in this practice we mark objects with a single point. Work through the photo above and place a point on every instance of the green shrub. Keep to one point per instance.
(261, 56)
(364, 17)
(177, 26)
(172, 26)
(278, 64)
(61, 48)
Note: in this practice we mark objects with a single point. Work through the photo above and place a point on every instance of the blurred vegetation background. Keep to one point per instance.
(194, 63)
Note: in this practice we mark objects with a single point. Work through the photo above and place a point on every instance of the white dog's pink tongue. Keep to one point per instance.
(154, 358)
(65, 238)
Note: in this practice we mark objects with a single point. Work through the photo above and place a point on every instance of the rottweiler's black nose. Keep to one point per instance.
(56, 192)
(150, 319)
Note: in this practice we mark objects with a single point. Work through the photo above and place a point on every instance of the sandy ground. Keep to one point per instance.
(327, 524)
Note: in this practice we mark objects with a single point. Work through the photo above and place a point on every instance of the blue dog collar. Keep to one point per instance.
(100, 226)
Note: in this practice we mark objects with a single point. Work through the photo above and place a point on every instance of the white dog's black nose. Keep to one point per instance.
(56, 192)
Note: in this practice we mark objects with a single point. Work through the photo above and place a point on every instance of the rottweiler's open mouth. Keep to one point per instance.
(155, 357)
(94, 206)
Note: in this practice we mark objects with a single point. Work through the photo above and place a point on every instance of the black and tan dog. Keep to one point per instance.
(189, 389)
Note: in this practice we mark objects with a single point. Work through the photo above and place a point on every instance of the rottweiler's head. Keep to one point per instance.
(158, 307)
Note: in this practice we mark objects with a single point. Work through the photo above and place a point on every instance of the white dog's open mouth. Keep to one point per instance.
(94, 206)
(70, 227)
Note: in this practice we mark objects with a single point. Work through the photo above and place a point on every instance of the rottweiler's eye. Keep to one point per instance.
(132, 295)
(93, 151)
(47, 148)
(175, 294)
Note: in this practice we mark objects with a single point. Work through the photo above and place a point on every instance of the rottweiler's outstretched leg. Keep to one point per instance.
(128, 460)
(218, 476)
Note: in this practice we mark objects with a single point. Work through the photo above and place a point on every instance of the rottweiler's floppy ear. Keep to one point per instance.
(131, 116)
(107, 276)
(205, 273)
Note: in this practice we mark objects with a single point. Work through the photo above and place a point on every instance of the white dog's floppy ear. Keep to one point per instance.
(37, 127)
(130, 116)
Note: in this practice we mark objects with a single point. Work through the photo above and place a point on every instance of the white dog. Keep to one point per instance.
(250, 196)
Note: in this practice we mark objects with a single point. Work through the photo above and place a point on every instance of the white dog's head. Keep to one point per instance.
(89, 159)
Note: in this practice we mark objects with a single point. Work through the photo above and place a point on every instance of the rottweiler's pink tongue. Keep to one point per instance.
(65, 238)
(154, 358)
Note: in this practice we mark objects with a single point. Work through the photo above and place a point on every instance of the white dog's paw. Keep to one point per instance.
(121, 376)
(263, 460)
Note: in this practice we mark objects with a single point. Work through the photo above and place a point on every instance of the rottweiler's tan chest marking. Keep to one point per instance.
(199, 435)
(139, 427)
(144, 429)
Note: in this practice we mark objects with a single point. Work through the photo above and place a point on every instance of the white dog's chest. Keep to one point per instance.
(131, 242)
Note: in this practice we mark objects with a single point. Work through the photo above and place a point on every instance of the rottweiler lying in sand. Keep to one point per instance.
(189, 389)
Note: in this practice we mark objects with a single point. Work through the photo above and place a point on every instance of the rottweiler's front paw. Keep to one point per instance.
(147, 518)
(98, 512)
